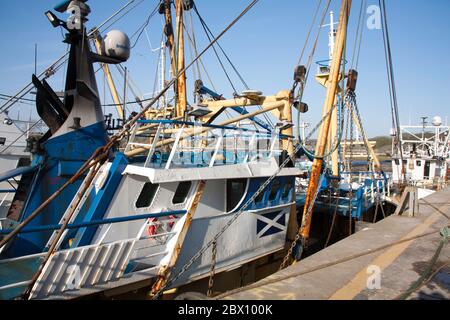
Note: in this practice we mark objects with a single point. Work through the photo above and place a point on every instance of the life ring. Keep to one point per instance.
(152, 228)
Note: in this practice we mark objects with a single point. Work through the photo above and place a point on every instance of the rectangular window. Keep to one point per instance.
(146, 196)
(182, 192)
(235, 192)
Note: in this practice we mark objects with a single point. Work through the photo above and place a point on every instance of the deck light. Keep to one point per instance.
(53, 19)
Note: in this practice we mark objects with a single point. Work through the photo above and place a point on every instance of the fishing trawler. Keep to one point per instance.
(343, 192)
(152, 203)
(92, 217)
(14, 153)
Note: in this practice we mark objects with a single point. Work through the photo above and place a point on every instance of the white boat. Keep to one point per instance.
(425, 154)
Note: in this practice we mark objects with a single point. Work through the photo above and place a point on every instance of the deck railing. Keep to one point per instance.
(170, 143)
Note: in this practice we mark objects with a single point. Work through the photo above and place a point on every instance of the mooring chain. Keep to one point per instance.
(350, 193)
(213, 269)
(298, 236)
(238, 213)
(352, 97)
(337, 139)
(227, 225)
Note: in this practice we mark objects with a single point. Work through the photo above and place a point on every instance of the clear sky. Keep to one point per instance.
(265, 46)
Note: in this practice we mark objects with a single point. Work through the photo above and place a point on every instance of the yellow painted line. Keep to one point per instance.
(359, 282)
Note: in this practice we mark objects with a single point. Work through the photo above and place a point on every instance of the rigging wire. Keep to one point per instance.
(101, 153)
(358, 37)
(309, 32)
(299, 95)
(194, 44)
(208, 31)
(53, 68)
(391, 80)
(142, 28)
(191, 49)
(217, 56)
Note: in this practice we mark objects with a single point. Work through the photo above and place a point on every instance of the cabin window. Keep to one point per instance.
(287, 190)
(274, 190)
(146, 196)
(418, 163)
(2, 141)
(235, 192)
(182, 192)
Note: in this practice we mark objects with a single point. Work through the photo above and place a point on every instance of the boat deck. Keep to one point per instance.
(343, 270)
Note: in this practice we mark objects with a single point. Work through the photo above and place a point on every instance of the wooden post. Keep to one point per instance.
(181, 101)
(288, 146)
(170, 38)
(329, 101)
(165, 270)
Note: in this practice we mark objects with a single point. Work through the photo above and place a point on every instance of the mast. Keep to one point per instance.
(334, 114)
(181, 92)
(328, 104)
(168, 30)
(331, 38)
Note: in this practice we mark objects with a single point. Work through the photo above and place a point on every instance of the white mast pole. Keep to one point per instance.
(331, 38)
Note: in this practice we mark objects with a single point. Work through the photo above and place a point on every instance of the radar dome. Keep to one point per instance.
(437, 121)
(392, 132)
(117, 45)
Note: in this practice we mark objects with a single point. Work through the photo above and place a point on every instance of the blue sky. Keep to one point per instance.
(265, 46)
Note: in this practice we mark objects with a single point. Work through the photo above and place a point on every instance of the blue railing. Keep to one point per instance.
(96, 222)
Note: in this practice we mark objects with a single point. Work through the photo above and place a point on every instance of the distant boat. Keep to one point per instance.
(425, 154)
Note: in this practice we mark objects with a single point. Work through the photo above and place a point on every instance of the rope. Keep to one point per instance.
(323, 266)
(218, 57)
(53, 68)
(308, 68)
(141, 29)
(332, 222)
(392, 90)
(309, 32)
(234, 218)
(60, 233)
(118, 136)
(358, 37)
(208, 30)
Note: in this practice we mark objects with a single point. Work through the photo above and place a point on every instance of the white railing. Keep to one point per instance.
(169, 143)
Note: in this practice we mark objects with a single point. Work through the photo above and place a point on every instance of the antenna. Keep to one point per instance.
(331, 35)
(35, 58)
